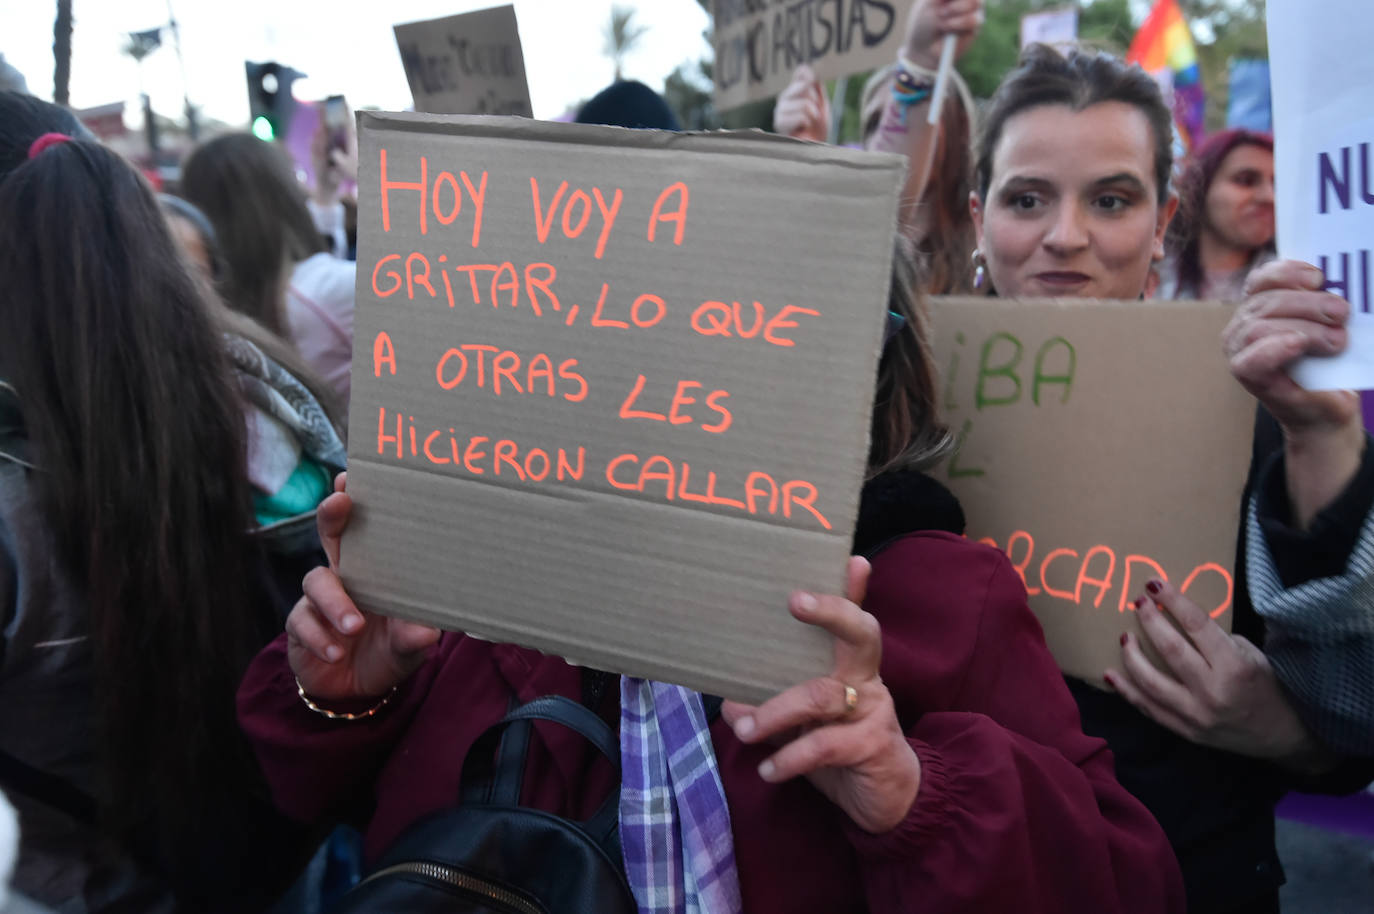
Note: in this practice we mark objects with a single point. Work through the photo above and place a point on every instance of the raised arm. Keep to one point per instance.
(906, 98)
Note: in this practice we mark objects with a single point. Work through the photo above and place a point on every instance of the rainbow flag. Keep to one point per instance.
(1164, 48)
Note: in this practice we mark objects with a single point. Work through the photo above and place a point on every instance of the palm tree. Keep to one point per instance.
(62, 52)
(622, 35)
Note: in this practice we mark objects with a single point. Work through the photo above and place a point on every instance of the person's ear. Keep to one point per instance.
(975, 209)
(1166, 215)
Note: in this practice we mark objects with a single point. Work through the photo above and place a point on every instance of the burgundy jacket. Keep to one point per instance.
(1017, 809)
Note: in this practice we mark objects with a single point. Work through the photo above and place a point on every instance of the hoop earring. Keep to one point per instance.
(980, 269)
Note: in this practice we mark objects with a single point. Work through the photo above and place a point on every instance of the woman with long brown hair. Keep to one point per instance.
(127, 566)
(277, 269)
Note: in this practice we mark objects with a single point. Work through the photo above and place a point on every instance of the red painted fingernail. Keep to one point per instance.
(1124, 638)
(1139, 602)
(1154, 585)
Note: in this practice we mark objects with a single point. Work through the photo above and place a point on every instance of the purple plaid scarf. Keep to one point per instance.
(674, 824)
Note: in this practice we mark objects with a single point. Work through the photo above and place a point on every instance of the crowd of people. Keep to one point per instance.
(191, 702)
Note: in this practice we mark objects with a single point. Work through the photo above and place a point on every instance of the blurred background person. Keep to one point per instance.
(1225, 223)
(895, 105)
(278, 269)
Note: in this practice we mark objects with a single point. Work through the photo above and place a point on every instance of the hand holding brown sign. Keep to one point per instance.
(612, 388)
(1100, 444)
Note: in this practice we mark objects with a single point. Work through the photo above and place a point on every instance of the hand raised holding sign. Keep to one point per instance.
(931, 20)
(841, 730)
(337, 651)
(1285, 317)
(1222, 692)
(802, 111)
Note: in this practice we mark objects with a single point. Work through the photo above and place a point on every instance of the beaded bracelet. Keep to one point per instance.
(343, 715)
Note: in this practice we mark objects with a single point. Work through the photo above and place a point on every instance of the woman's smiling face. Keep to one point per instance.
(1073, 207)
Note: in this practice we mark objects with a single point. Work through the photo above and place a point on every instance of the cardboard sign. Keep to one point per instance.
(1053, 27)
(612, 388)
(1324, 179)
(759, 43)
(1100, 444)
(466, 64)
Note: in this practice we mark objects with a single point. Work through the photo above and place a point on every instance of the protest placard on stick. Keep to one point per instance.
(759, 43)
(1100, 444)
(1324, 181)
(612, 388)
(471, 63)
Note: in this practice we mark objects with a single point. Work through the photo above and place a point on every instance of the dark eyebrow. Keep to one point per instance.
(1027, 182)
(1124, 177)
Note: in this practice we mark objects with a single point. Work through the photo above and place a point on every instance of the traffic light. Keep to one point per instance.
(270, 104)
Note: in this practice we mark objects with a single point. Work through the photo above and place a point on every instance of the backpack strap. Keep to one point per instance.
(20, 777)
(485, 782)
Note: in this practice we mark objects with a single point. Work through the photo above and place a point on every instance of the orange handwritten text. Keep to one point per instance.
(505, 371)
(716, 318)
(661, 476)
(478, 455)
(577, 212)
(434, 200)
(678, 216)
(682, 398)
(1086, 579)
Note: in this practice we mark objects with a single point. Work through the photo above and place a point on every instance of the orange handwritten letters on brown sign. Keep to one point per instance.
(591, 350)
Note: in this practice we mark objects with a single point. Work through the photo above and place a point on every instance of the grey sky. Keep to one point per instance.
(345, 46)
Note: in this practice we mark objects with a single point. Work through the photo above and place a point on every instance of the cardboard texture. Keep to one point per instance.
(759, 44)
(466, 64)
(598, 483)
(1100, 444)
(1320, 76)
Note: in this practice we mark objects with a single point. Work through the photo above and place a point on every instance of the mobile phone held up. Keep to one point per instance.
(336, 121)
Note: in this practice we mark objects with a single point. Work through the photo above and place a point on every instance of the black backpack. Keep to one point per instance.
(490, 854)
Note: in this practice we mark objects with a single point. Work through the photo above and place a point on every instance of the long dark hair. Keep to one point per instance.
(138, 442)
(951, 237)
(1078, 79)
(907, 432)
(1184, 239)
(250, 194)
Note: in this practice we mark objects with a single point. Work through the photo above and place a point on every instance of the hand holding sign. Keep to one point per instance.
(840, 730)
(606, 426)
(802, 111)
(337, 651)
(1222, 692)
(931, 20)
(1285, 318)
